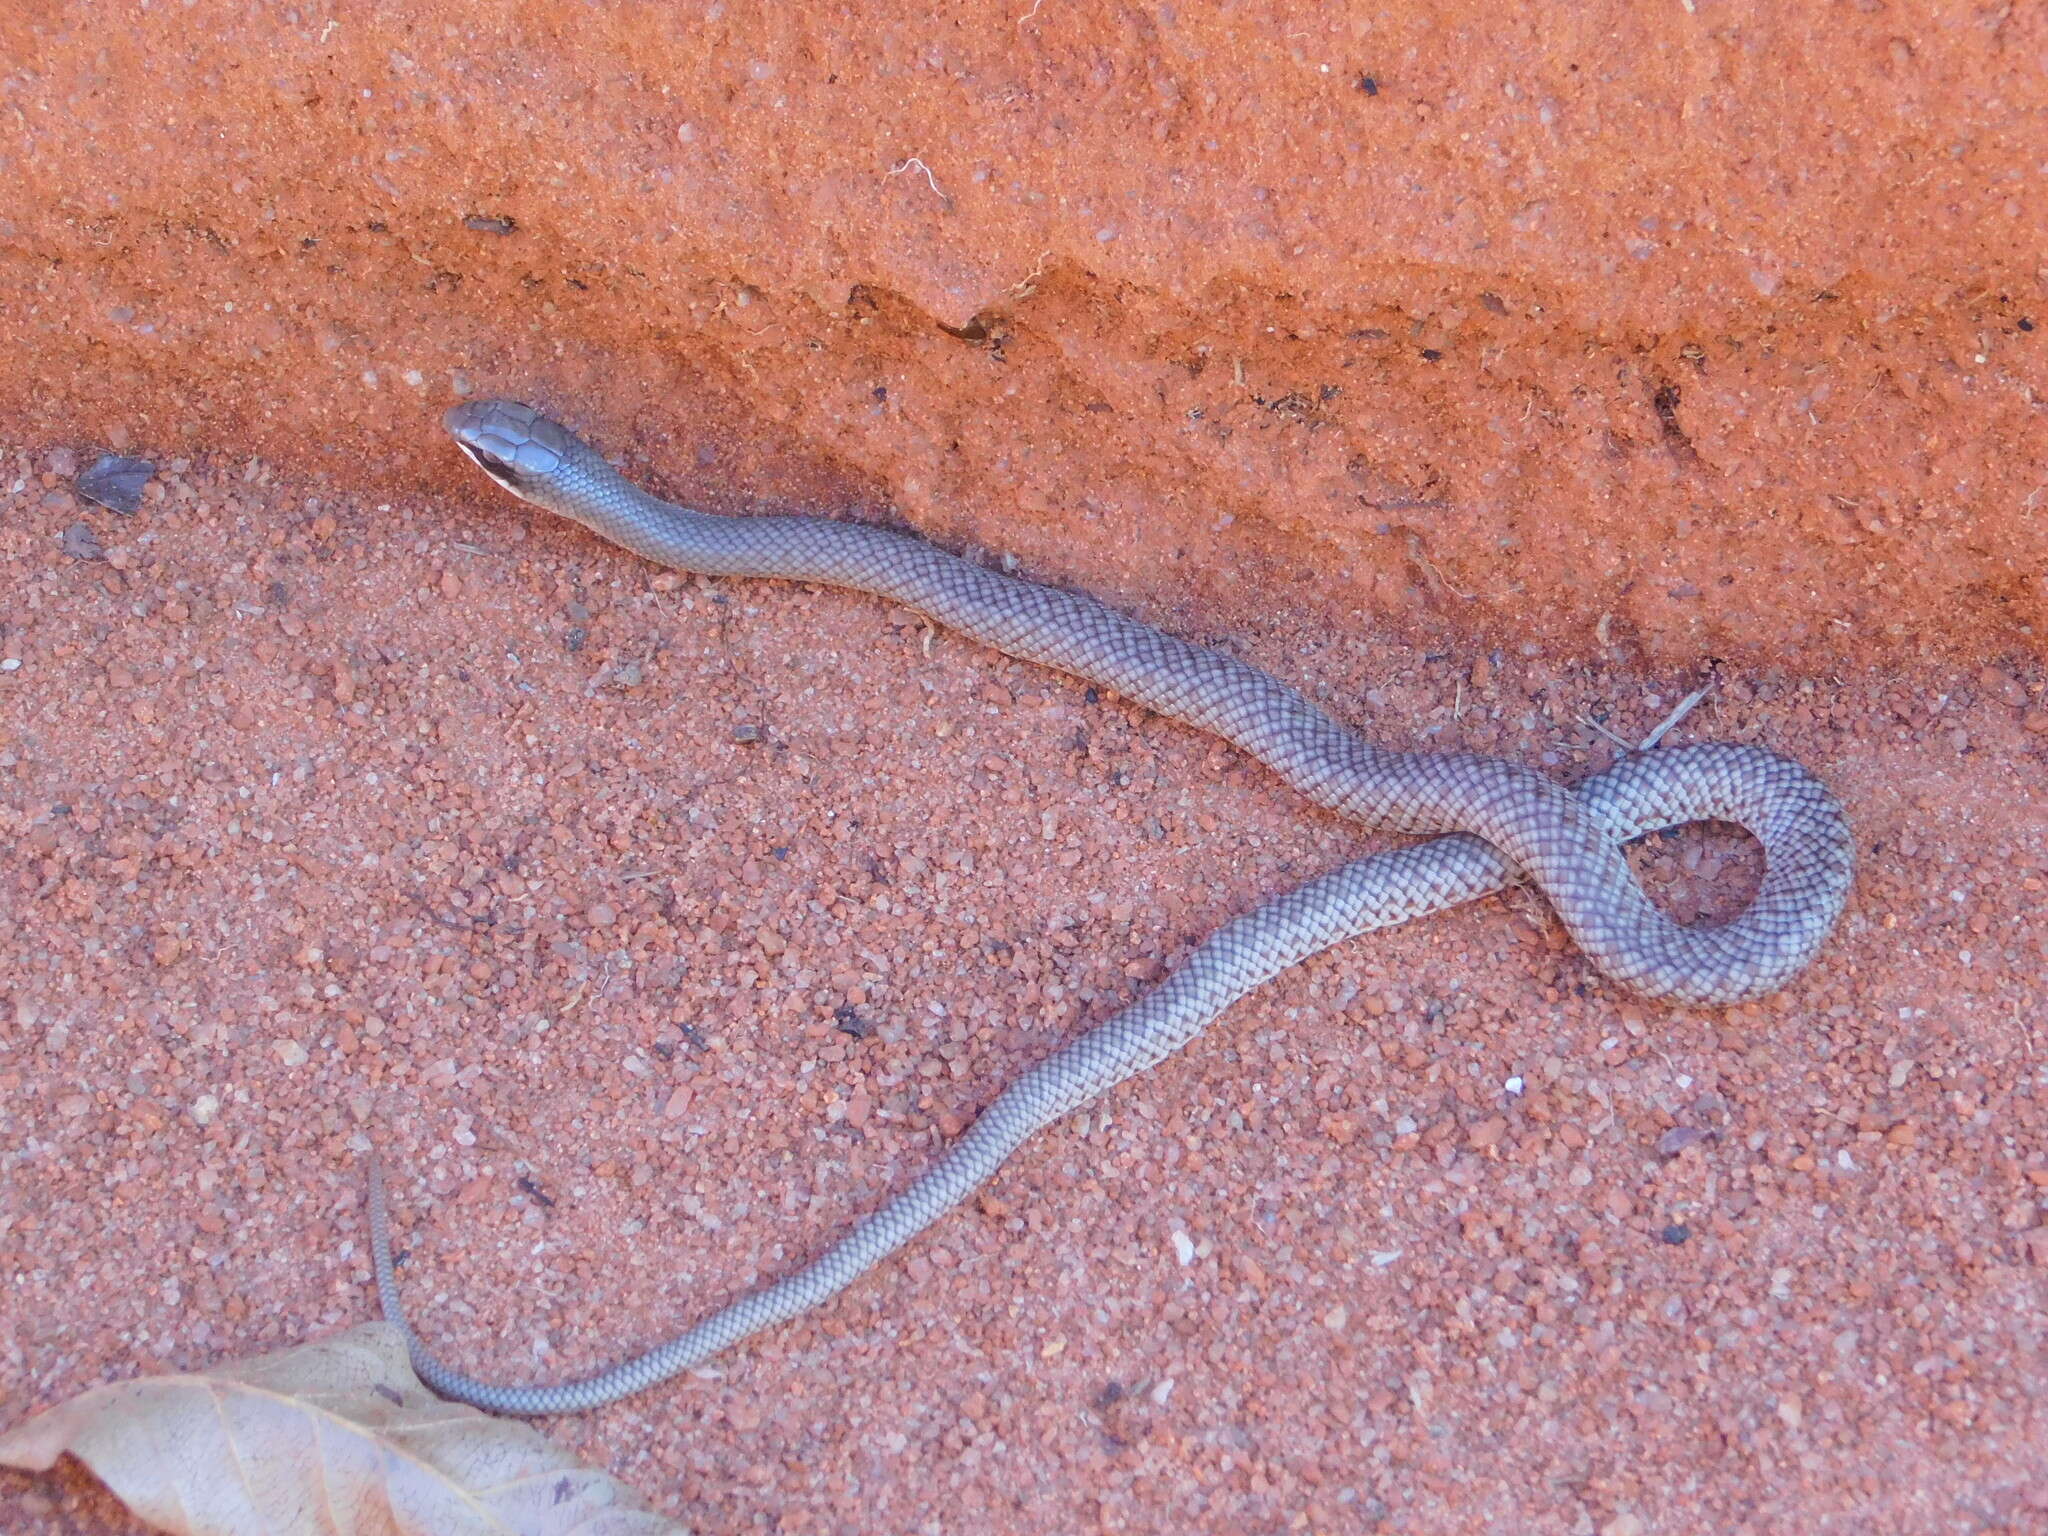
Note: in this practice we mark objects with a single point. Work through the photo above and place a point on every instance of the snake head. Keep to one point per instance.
(515, 445)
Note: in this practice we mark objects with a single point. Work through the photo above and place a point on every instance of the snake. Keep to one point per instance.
(1494, 823)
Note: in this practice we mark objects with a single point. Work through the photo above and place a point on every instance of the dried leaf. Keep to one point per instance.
(336, 1438)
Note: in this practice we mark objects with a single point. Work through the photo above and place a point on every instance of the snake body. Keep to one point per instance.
(1501, 822)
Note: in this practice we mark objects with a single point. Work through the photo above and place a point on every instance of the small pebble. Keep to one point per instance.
(116, 483)
(81, 543)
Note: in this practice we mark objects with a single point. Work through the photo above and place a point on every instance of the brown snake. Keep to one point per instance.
(1503, 822)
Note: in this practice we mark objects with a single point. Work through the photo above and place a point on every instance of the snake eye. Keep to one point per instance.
(500, 470)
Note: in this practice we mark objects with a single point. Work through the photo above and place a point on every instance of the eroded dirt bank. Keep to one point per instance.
(1718, 322)
(658, 927)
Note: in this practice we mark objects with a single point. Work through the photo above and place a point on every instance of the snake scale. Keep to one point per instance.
(1500, 821)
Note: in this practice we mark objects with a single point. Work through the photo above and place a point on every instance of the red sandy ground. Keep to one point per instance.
(348, 798)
